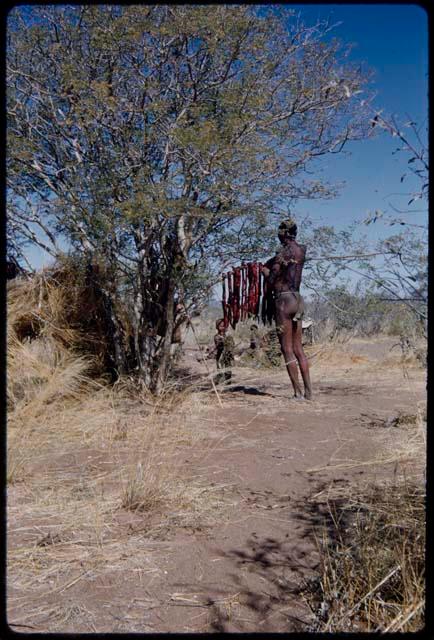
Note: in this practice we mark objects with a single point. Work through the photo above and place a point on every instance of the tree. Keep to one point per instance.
(143, 135)
(404, 276)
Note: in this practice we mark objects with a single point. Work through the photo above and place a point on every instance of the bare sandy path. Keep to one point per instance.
(245, 573)
(268, 458)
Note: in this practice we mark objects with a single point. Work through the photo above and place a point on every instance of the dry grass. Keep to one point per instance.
(94, 471)
(43, 377)
(373, 562)
(372, 551)
(59, 304)
(86, 463)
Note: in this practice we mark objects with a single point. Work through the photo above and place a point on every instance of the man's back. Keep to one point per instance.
(287, 267)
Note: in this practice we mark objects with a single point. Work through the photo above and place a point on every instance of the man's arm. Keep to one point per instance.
(266, 268)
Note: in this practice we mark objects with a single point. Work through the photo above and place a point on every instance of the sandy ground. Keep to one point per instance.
(266, 459)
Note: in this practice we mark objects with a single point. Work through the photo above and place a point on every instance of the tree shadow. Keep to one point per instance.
(268, 577)
(241, 388)
(340, 390)
(183, 378)
(272, 574)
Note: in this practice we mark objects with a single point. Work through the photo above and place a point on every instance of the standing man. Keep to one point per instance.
(283, 275)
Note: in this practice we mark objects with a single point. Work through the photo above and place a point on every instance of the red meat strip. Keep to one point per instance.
(236, 296)
(259, 291)
(251, 292)
(224, 302)
(244, 309)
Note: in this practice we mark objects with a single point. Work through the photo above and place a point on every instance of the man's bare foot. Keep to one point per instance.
(308, 395)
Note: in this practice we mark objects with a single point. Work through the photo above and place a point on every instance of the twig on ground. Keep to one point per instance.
(403, 622)
(370, 593)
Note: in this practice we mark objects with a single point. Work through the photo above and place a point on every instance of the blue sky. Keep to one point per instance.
(392, 40)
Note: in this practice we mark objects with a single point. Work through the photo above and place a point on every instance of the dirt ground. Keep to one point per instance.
(263, 460)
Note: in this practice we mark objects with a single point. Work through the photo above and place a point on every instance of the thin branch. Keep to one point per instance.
(394, 293)
(351, 257)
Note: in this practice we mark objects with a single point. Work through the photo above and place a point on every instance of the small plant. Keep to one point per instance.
(16, 460)
(145, 490)
(121, 430)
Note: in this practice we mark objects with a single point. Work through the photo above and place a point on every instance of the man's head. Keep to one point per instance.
(287, 230)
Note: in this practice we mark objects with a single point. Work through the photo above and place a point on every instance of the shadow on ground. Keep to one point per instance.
(240, 388)
(270, 575)
(183, 378)
(341, 390)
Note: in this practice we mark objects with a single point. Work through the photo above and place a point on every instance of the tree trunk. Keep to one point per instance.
(120, 359)
(119, 352)
(115, 329)
(162, 360)
(148, 351)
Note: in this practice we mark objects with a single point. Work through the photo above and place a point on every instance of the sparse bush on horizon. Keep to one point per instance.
(363, 315)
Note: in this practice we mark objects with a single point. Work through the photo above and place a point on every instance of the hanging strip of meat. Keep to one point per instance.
(250, 292)
(243, 292)
(264, 301)
(255, 294)
(241, 268)
(224, 303)
(246, 291)
(236, 296)
(249, 289)
(230, 297)
(259, 290)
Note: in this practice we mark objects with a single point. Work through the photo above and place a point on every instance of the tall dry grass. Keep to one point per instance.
(373, 563)
(61, 303)
(372, 548)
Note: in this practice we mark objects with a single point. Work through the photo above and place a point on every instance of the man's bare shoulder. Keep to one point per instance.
(302, 248)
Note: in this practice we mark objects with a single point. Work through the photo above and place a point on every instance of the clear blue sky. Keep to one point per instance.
(392, 40)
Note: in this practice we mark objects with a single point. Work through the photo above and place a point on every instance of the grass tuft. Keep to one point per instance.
(372, 575)
(147, 488)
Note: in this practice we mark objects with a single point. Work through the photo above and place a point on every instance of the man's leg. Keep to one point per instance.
(284, 330)
(301, 357)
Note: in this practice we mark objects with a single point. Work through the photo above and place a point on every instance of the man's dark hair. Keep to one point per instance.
(289, 227)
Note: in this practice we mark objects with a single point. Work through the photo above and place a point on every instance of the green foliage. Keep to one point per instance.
(150, 135)
(192, 100)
